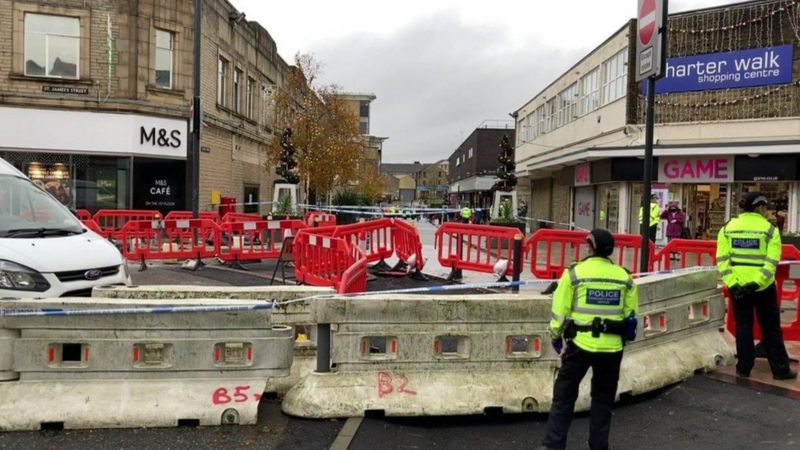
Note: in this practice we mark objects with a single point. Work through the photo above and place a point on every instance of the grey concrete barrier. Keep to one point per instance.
(297, 315)
(136, 369)
(445, 355)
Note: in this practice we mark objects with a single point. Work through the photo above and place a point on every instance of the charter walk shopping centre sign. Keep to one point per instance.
(729, 70)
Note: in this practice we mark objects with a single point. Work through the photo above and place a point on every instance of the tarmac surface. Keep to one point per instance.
(710, 411)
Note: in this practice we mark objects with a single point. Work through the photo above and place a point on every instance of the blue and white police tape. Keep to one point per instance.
(41, 312)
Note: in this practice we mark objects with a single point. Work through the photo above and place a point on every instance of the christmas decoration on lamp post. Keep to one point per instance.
(507, 180)
(288, 163)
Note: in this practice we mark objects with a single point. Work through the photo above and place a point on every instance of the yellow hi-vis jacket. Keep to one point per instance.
(595, 287)
(655, 213)
(466, 212)
(748, 251)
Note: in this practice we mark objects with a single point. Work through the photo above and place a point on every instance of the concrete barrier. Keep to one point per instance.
(445, 355)
(136, 369)
(297, 315)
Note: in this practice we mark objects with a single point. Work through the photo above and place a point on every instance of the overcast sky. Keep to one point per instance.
(440, 68)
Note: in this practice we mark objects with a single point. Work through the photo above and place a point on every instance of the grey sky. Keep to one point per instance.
(439, 68)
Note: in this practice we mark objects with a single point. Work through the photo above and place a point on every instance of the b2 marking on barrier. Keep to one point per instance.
(386, 386)
(222, 396)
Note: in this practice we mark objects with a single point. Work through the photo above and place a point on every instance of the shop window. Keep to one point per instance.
(251, 199)
(52, 46)
(615, 77)
(222, 81)
(164, 55)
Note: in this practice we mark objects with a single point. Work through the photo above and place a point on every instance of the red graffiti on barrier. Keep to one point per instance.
(386, 386)
(222, 396)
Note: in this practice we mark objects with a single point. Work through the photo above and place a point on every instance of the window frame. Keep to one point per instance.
(171, 50)
(222, 80)
(236, 89)
(77, 39)
(249, 104)
(615, 76)
(589, 92)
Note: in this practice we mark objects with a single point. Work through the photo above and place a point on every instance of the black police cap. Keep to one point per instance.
(602, 241)
(752, 200)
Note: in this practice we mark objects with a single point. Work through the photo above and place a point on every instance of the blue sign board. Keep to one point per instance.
(729, 70)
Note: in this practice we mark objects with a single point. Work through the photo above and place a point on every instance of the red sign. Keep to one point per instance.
(583, 174)
(647, 22)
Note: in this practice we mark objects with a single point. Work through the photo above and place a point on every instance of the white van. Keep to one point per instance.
(45, 251)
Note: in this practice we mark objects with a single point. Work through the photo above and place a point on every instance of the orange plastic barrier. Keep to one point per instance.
(320, 219)
(354, 279)
(408, 243)
(240, 217)
(169, 239)
(111, 221)
(561, 247)
(256, 240)
(475, 247)
(83, 214)
(92, 225)
(683, 253)
(182, 215)
(791, 331)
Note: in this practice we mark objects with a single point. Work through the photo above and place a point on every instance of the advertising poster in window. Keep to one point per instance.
(53, 178)
(159, 185)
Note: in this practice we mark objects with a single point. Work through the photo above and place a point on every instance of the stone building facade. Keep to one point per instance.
(95, 98)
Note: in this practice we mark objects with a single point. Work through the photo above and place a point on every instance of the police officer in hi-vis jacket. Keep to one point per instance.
(748, 253)
(594, 312)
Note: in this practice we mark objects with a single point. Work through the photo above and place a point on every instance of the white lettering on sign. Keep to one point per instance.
(161, 187)
(695, 170)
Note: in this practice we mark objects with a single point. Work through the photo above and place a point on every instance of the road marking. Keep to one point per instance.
(346, 434)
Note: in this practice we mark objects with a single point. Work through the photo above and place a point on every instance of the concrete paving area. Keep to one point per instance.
(712, 411)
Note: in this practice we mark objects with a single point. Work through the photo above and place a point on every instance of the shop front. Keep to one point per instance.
(95, 161)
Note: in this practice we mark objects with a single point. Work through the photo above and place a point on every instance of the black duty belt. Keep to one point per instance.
(734, 264)
(599, 325)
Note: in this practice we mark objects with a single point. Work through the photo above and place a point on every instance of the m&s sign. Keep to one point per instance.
(695, 170)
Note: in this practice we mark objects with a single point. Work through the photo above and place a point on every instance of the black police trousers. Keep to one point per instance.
(605, 375)
(765, 304)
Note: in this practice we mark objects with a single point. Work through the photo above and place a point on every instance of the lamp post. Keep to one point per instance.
(196, 112)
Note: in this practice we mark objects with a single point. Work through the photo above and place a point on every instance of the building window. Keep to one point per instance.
(237, 90)
(222, 81)
(590, 92)
(164, 48)
(550, 115)
(363, 116)
(540, 121)
(470, 152)
(615, 77)
(248, 108)
(567, 103)
(52, 46)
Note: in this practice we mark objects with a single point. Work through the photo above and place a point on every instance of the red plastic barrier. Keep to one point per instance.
(323, 260)
(374, 237)
(475, 247)
(83, 214)
(354, 279)
(562, 247)
(252, 241)
(170, 239)
(240, 217)
(320, 219)
(111, 221)
(182, 215)
(688, 253)
(791, 331)
(408, 243)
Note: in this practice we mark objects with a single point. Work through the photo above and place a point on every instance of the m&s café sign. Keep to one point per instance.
(713, 169)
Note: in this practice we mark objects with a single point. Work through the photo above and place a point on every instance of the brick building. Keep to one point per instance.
(95, 95)
(473, 165)
(727, 123)
(432, 182)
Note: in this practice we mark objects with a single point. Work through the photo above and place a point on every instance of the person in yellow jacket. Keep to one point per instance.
(748, 253)
(594, 311)
(466, 214)
(655, 213)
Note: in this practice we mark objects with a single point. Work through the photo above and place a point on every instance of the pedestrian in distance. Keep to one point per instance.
(675, 220)
(655, 211)
(593, 315)
(748, 253)
(466, 214)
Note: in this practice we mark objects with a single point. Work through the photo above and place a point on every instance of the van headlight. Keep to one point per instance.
(20, 278)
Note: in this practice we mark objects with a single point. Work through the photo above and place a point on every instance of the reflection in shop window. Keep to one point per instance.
(52, 46)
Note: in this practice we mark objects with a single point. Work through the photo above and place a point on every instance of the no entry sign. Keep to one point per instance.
(651, 18)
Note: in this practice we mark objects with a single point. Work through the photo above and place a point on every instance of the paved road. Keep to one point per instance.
(700, 413)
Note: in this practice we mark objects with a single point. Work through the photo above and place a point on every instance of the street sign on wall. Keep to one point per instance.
(651, 19)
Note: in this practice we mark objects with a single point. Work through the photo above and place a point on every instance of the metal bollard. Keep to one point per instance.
(323, 348)
(517, 262)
